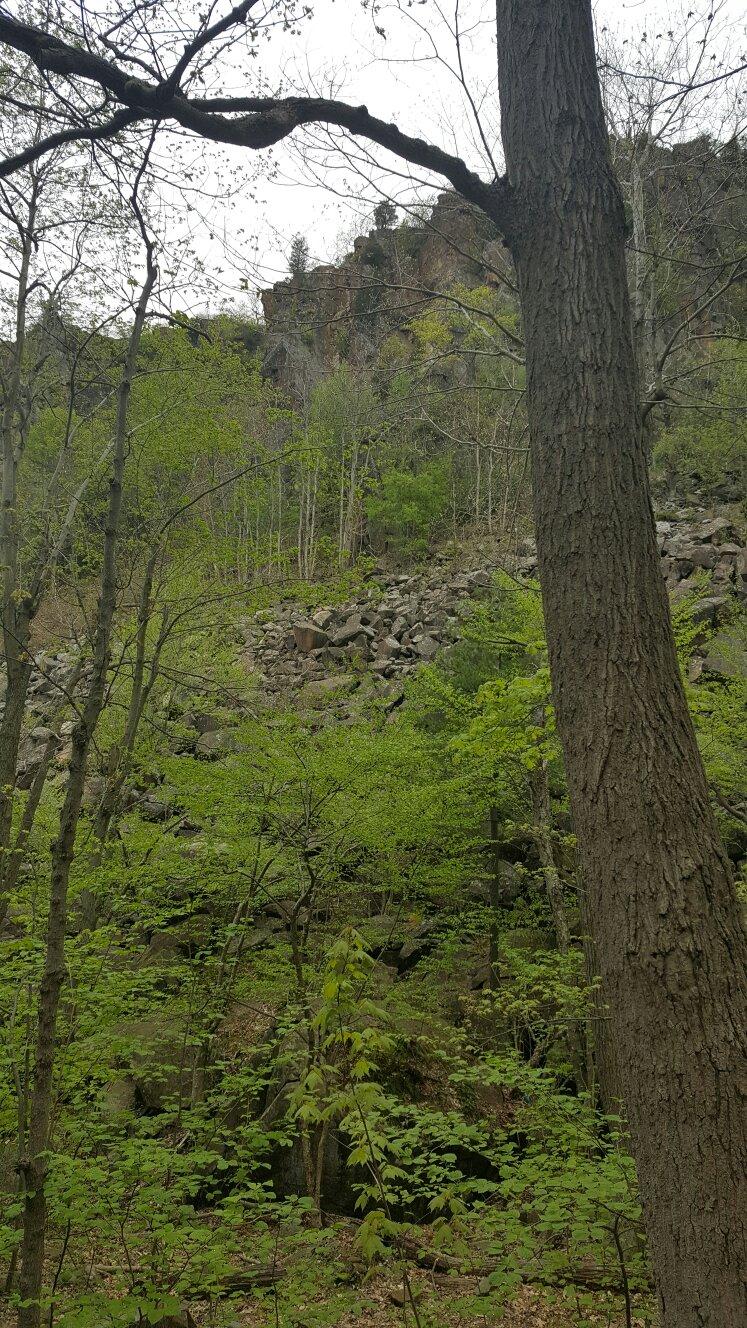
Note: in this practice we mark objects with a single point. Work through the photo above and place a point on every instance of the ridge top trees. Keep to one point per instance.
(298, 258)
(663, 916)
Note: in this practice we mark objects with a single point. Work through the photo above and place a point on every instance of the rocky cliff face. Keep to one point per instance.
(344, 312)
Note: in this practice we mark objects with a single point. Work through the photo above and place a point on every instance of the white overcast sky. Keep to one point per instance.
(242, 224)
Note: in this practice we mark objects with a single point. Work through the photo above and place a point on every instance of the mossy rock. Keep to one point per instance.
(161, 1058)
(119, 1099)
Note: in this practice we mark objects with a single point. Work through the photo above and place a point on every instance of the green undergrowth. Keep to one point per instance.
(315, 1022)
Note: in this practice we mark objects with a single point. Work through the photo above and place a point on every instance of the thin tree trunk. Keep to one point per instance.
(18, 675)
(16, 605)
(20, 843)
(22, 593)
(280, 521)
(347, 513)
(643, 275)
(341, 513)
(300, 559)
(502, 879)
(122, 757)
(311, 538)
(542, 826)
(35, 1164)
(663, 914)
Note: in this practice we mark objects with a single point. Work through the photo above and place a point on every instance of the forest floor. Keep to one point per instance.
(436, 1309)
(323, 1283)
(337, 1292)
(382, 1301)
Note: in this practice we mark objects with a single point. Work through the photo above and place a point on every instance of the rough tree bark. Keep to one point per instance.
(665, 924)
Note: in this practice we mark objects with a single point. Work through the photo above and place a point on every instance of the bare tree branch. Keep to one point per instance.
(79, 134)
(260, 121)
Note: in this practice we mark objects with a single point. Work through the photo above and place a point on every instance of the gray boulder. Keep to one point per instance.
(41, 734)
(162, 1060)
(389, 647)
(426, 647)
(726, 656)
(711, 609)
(119, 1099)
(482, 579)
(216, 743)
(352, 629)
(716, 531)
(309, 636)
(702, 555)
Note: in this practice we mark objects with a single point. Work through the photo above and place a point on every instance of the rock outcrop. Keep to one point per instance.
(343, 312)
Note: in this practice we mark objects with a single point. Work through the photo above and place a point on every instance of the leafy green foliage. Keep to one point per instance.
(718, 705)
(714, 450)
(313, 980)
(410, 508)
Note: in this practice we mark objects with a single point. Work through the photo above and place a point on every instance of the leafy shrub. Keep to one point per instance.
(408, 509)
(712, 448)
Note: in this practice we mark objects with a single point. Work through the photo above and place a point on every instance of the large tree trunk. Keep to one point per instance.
(663, 915)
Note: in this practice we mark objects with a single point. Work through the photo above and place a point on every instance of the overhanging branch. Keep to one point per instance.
(78, 134)
(251, 122)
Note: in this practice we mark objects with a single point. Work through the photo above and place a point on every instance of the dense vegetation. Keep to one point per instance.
(314, 979)
(328, 1041)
